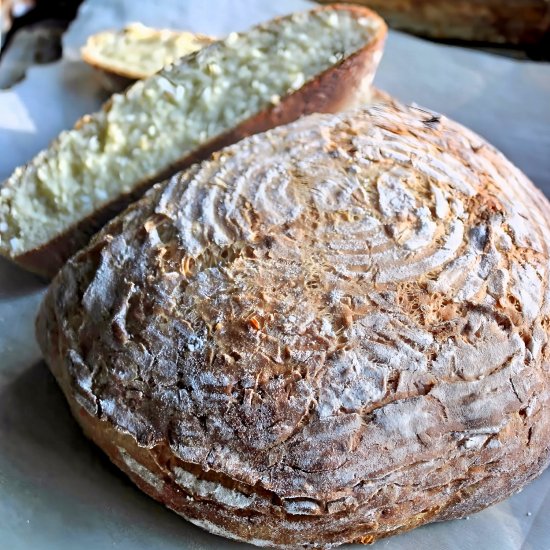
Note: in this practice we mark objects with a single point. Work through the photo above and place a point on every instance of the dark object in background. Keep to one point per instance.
(10, 10)
(523, 23)
(32, 45)
(31, 32)
(21, 13)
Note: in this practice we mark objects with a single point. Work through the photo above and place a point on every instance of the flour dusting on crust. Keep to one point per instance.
(334, 331)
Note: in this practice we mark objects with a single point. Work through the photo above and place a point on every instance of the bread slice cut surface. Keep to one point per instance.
(138, 51)
(322, 60)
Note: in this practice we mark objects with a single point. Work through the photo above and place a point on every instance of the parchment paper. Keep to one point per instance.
(56, 490)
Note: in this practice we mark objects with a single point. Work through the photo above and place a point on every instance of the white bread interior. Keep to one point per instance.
(138, 51)
(160, 119)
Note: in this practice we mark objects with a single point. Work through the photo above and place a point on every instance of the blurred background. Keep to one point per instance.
(31, 30)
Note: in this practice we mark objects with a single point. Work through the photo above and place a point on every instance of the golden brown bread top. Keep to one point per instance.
(349, 309)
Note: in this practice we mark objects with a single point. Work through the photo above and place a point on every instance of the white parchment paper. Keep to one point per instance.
(56, 490)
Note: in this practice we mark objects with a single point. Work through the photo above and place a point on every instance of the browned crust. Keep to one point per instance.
(110, 440)
(159, 459)
(494, 21)
(335, 89)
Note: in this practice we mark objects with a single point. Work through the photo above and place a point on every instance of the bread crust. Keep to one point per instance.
(343, 86)
(328, 333)
(523, 22)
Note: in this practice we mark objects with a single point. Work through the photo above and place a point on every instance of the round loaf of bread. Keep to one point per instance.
(331, 332)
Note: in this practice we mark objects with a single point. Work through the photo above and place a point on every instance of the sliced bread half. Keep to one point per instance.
(322, 60)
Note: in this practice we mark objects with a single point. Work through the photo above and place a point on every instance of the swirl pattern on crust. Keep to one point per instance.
(330, 332)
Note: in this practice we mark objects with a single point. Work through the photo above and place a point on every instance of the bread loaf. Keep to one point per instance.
(321, 60)
(137, 52)
(331, 332)
(522, 22)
